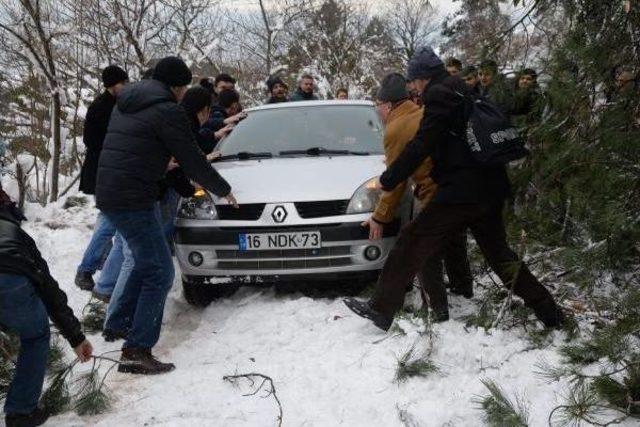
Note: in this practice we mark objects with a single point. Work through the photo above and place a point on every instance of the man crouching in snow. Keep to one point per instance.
(402, 117)
(28, 297)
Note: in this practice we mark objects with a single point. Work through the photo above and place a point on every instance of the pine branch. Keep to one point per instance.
(499, 410)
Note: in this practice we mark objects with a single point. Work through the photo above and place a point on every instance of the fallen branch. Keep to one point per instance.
(271, 392)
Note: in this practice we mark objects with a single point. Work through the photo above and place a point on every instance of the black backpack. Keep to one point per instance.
(491, 137)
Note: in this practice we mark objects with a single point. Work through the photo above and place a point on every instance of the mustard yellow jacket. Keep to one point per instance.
(402, 125)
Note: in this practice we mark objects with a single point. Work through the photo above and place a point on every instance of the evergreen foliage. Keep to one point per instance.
(410, 366)
(94, 314)
(499, 410)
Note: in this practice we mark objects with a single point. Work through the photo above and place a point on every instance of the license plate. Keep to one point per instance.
(301, 240)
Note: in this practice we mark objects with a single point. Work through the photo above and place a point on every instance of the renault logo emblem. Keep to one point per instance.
(279, 214)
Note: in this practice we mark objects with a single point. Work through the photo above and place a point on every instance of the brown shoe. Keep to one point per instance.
(141, 361)
(101, 297)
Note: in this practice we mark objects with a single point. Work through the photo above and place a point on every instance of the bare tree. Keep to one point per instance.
(412, 23)
(263, 30)
(32, 23)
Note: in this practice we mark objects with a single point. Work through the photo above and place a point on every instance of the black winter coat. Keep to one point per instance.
(441, 136)
(19, 255)
(147, 128)
(299, 95)
(95, 130)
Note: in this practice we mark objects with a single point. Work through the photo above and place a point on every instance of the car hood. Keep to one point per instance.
(299, 179)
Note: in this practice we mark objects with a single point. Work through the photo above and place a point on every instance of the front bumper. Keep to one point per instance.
(342, 252)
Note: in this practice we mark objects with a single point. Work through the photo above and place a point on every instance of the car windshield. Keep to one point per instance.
(311, 130)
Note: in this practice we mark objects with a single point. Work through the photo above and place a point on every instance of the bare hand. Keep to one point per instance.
(173, 164)
(224, 131)
(236, 118)
(84, 351)
(214, 155)
(375, 229)
(232, 200)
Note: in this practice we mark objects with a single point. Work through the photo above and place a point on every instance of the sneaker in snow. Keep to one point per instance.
(363, 309)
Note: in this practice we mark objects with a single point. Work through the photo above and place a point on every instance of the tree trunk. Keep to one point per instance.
(56, 117)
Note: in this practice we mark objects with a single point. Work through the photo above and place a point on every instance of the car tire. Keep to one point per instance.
(200, 294)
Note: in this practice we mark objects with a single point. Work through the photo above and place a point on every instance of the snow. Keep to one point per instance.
(330, 368)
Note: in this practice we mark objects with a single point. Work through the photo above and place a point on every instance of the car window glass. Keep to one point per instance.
(353, 128)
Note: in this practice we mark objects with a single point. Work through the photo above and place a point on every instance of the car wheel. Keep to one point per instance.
(200, 294)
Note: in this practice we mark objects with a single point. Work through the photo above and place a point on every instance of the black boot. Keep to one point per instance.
(85, 281)
(363, 309)
(141, 361)
(38, 417)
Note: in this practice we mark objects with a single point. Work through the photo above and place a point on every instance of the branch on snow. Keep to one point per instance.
(233, 379)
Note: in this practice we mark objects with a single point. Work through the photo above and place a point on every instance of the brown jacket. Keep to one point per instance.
(402, 126)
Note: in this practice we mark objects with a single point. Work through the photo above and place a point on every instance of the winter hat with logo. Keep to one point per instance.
(393, 88)
(424, 64)
(172, 71)
(112, 75)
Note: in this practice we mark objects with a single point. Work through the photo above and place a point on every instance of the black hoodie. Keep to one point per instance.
(19, 255)
(147, 128)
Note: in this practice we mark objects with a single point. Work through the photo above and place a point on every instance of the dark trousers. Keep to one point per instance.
(431, 232)
(456, 263)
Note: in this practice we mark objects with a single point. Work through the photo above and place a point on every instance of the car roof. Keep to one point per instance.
(299, 104)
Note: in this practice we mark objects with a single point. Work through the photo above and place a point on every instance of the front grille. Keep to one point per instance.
(249, 212)
(322, 209)
(284, 259)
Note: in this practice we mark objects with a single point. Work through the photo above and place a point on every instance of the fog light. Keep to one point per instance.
(372, 253)
(196, 259)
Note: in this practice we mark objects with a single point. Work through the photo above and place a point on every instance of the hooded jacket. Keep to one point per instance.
(19, 255)
(402, 125)
(460, 179)
(147, 128)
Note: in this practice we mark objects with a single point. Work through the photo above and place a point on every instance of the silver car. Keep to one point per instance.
(303, 174)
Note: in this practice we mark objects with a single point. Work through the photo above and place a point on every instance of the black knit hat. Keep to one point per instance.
(172, 71)
(393, 88)
(424, 64)
(112, 75)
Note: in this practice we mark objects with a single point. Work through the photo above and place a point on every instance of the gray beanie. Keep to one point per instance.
(393, 88)
(424, 64)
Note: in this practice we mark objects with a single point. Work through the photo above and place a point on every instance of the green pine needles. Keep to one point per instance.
(500, 410)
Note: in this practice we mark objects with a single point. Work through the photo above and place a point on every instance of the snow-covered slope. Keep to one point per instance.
(330, 368)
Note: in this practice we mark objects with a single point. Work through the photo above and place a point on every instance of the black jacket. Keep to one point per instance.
(275, 100)
(95, 130)
(299, 95)
(19, 255)
(441, 136)
(146, 129)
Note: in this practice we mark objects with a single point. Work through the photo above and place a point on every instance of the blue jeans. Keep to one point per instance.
(145, 292)
(22, 310)
(116, 268)
(98, 246)
(118, 322)
(169, 209)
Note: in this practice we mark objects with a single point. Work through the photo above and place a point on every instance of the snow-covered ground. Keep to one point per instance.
(330, 368)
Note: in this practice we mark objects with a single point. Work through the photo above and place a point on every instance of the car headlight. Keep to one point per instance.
(365, 198)
(200, 206)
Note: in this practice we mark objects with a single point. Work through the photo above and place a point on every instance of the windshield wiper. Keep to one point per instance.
(318, 151)
(244, 155)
